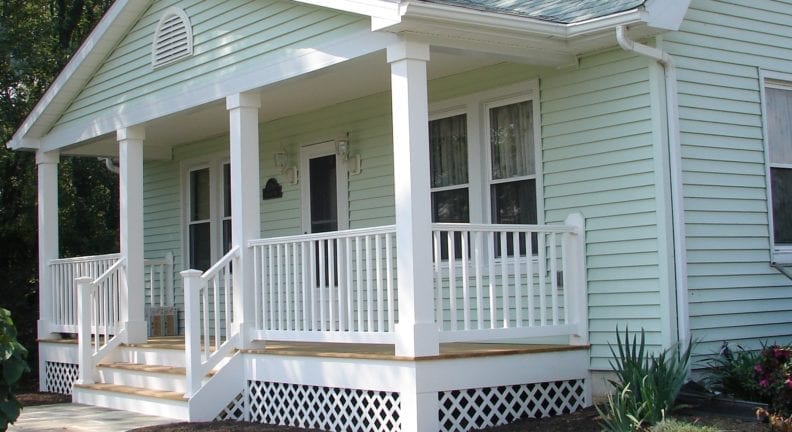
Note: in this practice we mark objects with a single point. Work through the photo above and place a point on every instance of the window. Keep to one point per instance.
(778, 109)
(491, 176)
(208, 218)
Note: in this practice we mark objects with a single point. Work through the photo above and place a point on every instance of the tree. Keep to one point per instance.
(37, 38)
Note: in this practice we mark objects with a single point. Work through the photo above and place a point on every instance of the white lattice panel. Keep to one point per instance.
(324, 408)
(235, 410)
(463, 410)
(61, 377)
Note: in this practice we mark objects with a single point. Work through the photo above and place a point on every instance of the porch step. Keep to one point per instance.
(143, 376)
(145, 401)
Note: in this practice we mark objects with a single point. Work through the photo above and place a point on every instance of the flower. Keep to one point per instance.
(764, 383)
(758, 368)
(789, 383)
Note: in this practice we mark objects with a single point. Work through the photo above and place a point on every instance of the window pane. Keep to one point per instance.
(199, 194)
(779, 125)
(324, 206)
(450, 206)
(226, 190)
(514, 202)
(448, 151)
(781, 180)
(226, 235)
(200, 246)
(511, 140)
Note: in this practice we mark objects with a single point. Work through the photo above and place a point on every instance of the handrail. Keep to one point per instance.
(108, 272)
(503, 227)
(324, 236)
(82, 259)
(227, 258)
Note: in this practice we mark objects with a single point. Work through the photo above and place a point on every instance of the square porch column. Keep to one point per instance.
(130, 180)
(245, 210)
(416, 333)
(47, 165)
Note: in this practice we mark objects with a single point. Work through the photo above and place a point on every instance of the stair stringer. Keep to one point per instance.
(216, 393)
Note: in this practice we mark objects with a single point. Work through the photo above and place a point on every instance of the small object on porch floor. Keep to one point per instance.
(163, 321)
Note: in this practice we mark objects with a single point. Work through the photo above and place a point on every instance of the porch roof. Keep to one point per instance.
(548, 32)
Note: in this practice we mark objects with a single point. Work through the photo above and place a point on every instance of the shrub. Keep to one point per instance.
(12, 361)
(647, 384)
(733, 373)
(774, 377)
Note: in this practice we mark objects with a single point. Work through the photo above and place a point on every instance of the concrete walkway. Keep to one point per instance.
(70, 417)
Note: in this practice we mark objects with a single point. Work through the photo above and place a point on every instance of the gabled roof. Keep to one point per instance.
(557, 11)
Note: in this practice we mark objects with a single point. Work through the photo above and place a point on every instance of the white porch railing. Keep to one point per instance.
(98, 317)
(64, 290)
(209, 333)
(158, 277)
(333, 287)
(509, 281)
(159, 280)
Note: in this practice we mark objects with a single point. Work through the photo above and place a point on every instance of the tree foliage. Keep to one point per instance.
(37, 38)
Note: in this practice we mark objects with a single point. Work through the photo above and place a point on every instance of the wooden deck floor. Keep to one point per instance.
(367, 351)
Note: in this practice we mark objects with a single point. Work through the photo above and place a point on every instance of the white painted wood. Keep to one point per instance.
(130, 151)
(575, 281)
(245, 209)
(84, 343)
(47, 165)
(417, 332)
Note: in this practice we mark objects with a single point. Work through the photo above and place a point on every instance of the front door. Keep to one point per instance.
(324, 189)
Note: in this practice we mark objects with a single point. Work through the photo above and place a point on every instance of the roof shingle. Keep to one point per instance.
(558, 11)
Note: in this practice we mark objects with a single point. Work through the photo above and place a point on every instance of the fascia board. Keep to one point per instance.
(379, 9)
(100, 42)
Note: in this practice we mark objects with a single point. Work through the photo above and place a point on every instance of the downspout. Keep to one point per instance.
(675, 156)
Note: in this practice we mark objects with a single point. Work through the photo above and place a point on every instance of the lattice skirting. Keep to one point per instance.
(463, 410)
(324, 408)
(235, 410)
(61, 377)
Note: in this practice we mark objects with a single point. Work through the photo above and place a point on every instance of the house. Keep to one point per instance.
(413, 214)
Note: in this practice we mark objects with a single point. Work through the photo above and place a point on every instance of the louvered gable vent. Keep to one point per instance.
(173, 39)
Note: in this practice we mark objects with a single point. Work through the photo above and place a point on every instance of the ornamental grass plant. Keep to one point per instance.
(646, 384)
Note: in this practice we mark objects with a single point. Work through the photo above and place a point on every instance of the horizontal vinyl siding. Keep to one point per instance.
(229, 37)
(734, 295)
(598, 160)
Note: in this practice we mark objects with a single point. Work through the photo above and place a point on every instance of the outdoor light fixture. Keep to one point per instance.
(352, 160)
(282, 161)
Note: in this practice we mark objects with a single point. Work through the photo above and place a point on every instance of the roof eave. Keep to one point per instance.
(100, 42)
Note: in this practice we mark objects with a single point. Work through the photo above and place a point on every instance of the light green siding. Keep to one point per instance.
(719, 51)
(230, 37)
(599, 160)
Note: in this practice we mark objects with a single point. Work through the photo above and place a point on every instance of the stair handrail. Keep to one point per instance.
(98, 318)
(201, 354)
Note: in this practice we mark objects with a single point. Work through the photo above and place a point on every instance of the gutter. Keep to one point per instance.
(675, 156)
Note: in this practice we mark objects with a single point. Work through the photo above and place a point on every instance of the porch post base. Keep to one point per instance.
(417, 340)
(245, 337)
(46, 330)
(136, 332)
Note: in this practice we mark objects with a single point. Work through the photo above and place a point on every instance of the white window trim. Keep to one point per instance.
(307, 152)
(778, 253)
(215, 164)
(476, 106)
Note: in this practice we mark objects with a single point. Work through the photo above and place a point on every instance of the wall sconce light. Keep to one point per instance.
(352, 160)
(282, 161)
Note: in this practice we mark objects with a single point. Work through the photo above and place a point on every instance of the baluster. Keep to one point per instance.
(380, 306)
(331, 284)
(452, 300)
(504, 236)
(438, 277)
(279, 263)
(271, 286)
(295, 282)
(304, 284)
(491, 267)
(390, 287)
(322, 284)
(369, 287)
(288, 287)
(227, 287)
(359, 283)
(518, 312)
(542, 257)
(465, 282)
(554, 276)
(349, 288)
(529, 280)
(479, 283)
(258, 287)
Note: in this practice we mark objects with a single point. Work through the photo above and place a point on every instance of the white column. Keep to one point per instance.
(130, 179)
(245, 210)
(416, 334)
(47, 164)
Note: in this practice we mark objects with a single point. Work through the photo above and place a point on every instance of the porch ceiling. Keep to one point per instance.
(349, 80)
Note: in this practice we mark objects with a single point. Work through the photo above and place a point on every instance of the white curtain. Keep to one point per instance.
(448, 151)
(511, 140)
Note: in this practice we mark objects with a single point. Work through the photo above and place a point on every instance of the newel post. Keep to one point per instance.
(84, 345)
(576, 282)
(192, 329)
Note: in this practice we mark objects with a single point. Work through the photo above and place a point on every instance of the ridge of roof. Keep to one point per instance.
(556, 11)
